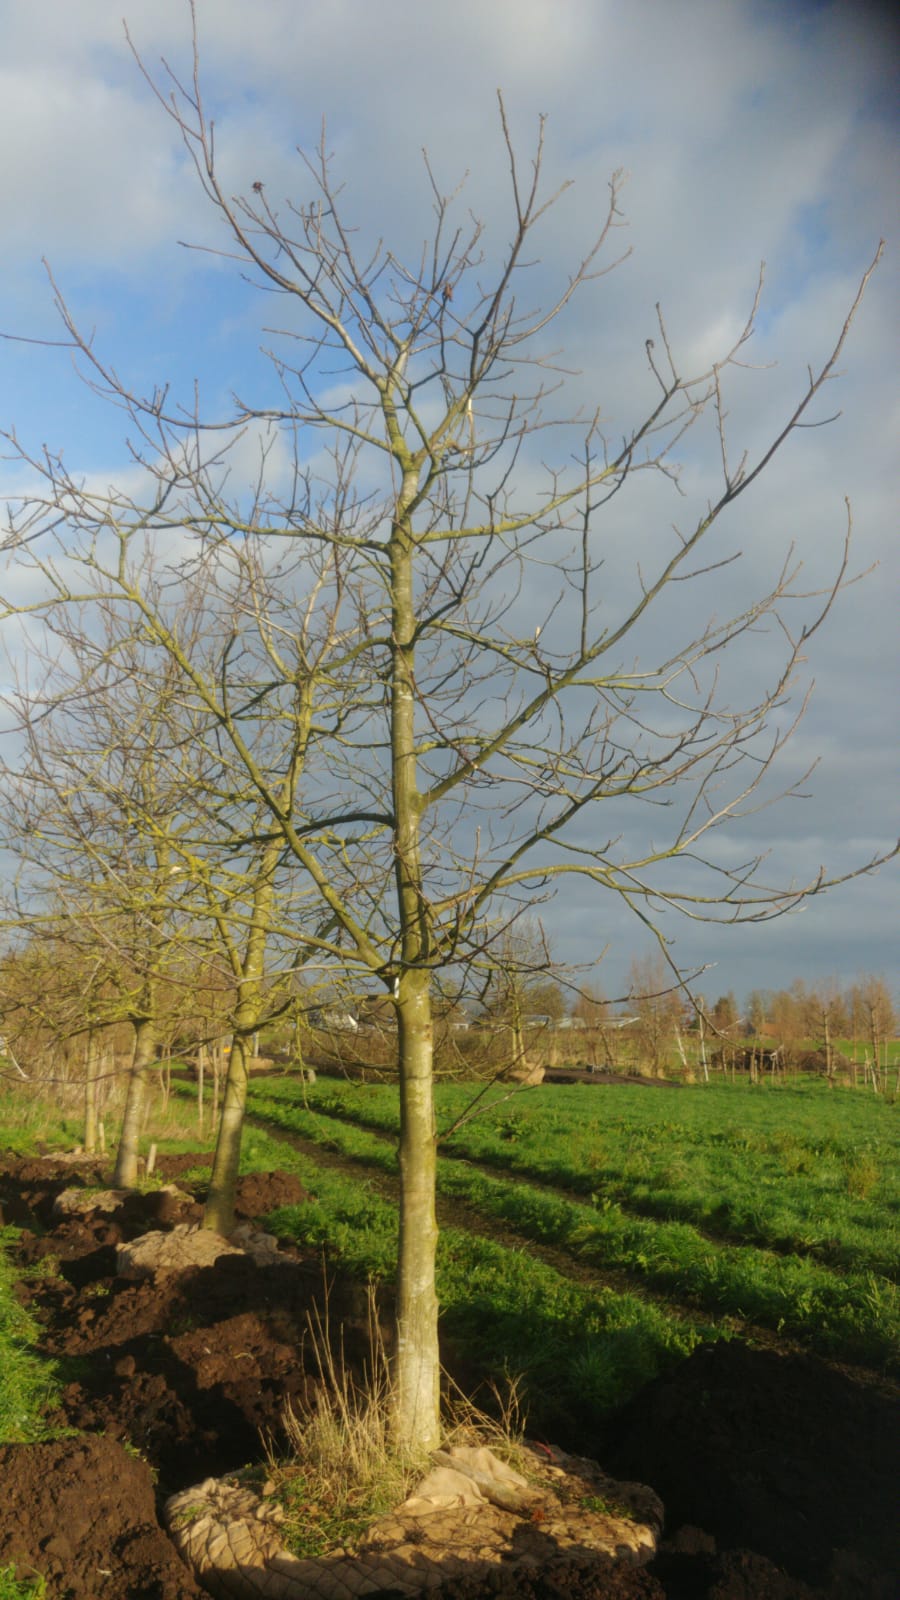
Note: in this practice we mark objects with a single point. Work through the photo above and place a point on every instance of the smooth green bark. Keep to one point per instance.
(126, 1170)
(249, 970)
(218, 1213)
(417, 1362)
(417, 1366)
(90, 1095)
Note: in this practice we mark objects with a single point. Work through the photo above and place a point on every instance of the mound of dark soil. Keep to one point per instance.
(192, 1370)
(562, 1581)
(778, 1453)
(258, 1193)
(29, 1187)
(603, 1076)
(81, 1512)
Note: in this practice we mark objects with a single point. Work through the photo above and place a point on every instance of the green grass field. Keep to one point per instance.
(27, 1383)
(806, 1169)
(776, 1207)
(593, 1235)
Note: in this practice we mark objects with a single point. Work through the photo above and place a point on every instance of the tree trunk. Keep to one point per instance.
(201, 1059)
(417, 1364)
(218, 1213)
(520, 1059)
(125, 1175)
(873, 1034)
(217, 1083)
(90, 1095)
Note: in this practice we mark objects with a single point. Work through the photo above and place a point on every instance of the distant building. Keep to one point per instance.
(376, 1013)
(333, 1019)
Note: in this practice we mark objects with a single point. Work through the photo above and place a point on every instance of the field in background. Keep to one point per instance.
(777, 1206)
(482, 1052)
(33, 1120)
(591, 1235)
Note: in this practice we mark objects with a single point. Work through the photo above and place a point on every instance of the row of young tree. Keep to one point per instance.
(656, 1018)
(88, 1002)
(352, 711)
(67, 998)
(849, 1011)
(661, 1027)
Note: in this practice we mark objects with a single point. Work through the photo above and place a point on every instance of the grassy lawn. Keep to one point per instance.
(27, 1382)
(804, 1169)
(848, 1307)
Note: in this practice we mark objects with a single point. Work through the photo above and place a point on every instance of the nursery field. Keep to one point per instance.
(660, 1273)
(719, 1206)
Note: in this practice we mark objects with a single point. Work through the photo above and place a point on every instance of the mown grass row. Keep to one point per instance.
(578, 1350)
(27, 1380)
(808, 1170)
(853, 1315)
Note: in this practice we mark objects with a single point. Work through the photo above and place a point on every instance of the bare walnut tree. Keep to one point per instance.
(417, 603)
(122, 807)
(84, 808)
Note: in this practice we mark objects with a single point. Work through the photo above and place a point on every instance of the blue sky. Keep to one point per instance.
(748, 130)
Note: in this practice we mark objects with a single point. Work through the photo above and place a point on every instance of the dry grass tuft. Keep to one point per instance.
(346, 1468)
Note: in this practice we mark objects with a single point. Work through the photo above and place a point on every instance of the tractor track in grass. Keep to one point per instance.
(627, 1205)
(881, 1358)
(457, 1213)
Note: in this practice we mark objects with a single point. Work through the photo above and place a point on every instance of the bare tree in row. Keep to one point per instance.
(458, 708)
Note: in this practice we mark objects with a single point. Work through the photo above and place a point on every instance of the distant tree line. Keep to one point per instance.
(70, 1016)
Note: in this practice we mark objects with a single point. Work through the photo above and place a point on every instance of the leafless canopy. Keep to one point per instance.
(411, 655)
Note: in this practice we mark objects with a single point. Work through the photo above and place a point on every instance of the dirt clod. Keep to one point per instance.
(82, 1514)
(776, 1452)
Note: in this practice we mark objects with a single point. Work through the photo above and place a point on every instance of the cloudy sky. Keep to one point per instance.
(748, 130)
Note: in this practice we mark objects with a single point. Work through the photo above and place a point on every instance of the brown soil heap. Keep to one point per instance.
(82, 1513)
